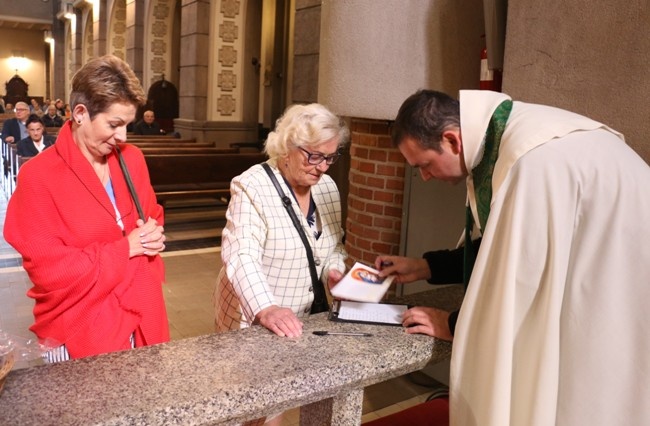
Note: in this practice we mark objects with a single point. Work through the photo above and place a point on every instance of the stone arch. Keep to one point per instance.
(162, 98)
(162, 41)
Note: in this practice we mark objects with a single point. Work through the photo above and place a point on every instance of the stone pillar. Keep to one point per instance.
(195, 32)
(368, 65)
(100, 28)
(135, 35)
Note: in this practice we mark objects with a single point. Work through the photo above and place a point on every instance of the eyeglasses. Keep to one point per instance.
(315, 158)
(22, 109)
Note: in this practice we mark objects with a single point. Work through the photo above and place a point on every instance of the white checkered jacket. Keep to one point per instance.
(264, 259)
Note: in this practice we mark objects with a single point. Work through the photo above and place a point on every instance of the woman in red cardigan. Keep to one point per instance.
(94, 263)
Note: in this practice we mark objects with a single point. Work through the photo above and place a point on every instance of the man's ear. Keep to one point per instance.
(454, 139)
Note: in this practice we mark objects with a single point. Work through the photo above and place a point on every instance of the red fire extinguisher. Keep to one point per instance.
(490, 79)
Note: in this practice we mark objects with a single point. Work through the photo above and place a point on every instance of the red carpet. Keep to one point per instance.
(430, 413)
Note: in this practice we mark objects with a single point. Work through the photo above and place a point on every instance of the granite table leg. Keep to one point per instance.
(341, 410)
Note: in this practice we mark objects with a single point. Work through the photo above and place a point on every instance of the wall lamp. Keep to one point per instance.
(47, 36)
(17, 61)
(69, 12)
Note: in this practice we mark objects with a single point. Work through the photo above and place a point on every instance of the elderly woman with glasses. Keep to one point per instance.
(265, 278)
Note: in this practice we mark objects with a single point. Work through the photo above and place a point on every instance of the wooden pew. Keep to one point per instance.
(140, 144)
(161, 140)
(192, 176)
(153, 150)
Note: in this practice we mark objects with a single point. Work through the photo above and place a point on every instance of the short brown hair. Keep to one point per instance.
(105, 81)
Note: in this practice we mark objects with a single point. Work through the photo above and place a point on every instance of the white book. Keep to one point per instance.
(362, 284)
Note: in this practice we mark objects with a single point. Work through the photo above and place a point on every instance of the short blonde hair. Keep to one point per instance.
(103, 82)
(305, 126)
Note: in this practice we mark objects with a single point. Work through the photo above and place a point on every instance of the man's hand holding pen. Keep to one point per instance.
(405, 269)
(430, 321)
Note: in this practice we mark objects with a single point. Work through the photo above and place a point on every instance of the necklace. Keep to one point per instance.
(104, 170)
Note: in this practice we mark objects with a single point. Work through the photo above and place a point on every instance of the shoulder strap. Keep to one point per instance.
(320, 299)
(129, 183)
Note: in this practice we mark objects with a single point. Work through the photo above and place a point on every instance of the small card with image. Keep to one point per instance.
(362, 284)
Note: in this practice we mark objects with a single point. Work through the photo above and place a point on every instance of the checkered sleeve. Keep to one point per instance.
(263, 256)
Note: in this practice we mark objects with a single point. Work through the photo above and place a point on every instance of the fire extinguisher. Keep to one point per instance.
(490, 79)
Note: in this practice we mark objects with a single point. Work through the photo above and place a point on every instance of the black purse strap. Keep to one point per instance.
(129, 183)
(320, 298)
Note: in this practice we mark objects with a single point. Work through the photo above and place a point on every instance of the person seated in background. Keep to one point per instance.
(60, 107)
(35, 107)
(46, 105)
(37, 140)
(14, 128)
(52, 119)
(9, 107)
(148, 125)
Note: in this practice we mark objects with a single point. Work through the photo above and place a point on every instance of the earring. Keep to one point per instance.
(79, 121)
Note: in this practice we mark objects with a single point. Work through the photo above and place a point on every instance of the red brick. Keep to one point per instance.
(385, 142)
(381, 248)
(359, 152)
(379, 128)
(389, 237)
(369, 257)
(396, 184)
(382, 222)
(376, 182)
(357, 178)
(366, 167)
(359, 126)
(355, 203)
(386, 170)
(384, 196)
(364, 219)
(374, 208)
(365, 193)
(393, 211)
(364, 244)
(353, 252)
(396, 157)
(368, 140)
(377, 155)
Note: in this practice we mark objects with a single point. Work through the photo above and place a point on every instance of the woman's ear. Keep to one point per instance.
(79, 113)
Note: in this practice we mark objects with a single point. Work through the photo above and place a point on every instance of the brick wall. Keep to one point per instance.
(376, 192)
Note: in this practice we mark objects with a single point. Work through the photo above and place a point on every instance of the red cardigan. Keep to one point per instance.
(89, 295)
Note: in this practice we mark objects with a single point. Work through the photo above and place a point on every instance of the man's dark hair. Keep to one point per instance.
(33, 118)
(424, 116)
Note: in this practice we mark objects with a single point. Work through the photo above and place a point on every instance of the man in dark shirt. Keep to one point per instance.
(36, 142)
(52, 119)
(148, 125)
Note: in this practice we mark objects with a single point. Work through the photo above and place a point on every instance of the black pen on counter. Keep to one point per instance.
(342, 333)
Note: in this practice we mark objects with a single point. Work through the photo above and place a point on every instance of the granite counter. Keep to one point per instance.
(225, 378)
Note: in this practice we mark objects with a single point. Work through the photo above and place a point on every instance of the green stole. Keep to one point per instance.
(482, 177)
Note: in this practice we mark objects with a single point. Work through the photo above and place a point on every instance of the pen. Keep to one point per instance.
(341, 333)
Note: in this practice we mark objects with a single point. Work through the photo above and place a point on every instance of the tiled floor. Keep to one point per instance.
(191, 274)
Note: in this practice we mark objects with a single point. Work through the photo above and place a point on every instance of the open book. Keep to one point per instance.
(362, 284)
